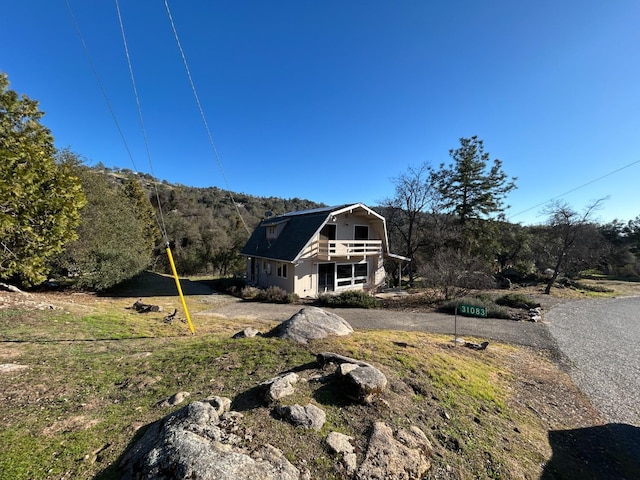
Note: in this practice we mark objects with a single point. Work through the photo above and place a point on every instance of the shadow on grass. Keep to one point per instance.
(609, 451)
(112, 471)
(151, 284)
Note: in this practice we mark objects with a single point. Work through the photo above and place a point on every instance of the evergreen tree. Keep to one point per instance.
(474, 193)
(39, 199)
(467, 188)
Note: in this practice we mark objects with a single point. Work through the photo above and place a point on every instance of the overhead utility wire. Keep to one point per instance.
(159, 220)
(573, 189)
(202, 115)
(144, 130)
(100, 84)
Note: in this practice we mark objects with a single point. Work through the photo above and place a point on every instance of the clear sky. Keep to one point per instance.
(329, 100)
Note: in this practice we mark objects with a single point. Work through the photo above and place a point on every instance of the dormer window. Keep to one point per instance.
(272, 232)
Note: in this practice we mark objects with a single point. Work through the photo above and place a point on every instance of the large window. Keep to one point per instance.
(281, 270)
(351, 274)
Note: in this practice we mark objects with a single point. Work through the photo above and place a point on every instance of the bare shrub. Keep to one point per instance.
(454, 274)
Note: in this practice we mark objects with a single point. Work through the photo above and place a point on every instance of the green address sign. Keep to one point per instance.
(472, 310)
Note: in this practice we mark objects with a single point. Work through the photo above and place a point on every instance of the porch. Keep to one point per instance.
(345, 249)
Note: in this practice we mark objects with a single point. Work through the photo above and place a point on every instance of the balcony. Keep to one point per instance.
(331, 249)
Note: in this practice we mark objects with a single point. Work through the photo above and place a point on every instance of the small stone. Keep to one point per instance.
(220, 404)
(339, 442)
(248, 332)
(309, 416)
(279, 387)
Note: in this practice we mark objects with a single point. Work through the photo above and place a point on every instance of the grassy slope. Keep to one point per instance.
(95, 372)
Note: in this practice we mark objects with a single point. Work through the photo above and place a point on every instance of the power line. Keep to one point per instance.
(100, 84)
(160, 222)
(144, 130)
(202, 115)
(574, 189)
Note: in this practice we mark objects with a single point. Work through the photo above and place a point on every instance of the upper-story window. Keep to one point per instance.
(272, 232)
(361, 232)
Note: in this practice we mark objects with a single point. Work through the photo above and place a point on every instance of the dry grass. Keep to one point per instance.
(94, 372)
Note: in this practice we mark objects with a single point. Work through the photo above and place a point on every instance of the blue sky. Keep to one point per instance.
(329, 100)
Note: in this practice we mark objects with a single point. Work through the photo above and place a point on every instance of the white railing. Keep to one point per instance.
(326, 249)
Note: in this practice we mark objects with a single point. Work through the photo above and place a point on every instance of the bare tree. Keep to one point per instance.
(567, 229)
(408, 211)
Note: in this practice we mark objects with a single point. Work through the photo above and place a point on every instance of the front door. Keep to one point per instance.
(326, 277)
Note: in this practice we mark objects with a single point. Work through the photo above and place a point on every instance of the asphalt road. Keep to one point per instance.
(601, 339)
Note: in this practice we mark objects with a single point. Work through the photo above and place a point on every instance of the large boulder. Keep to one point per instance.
(407, 456)
(312, 323)
(190, 443)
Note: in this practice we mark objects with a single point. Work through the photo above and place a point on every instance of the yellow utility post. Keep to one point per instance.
(175, 276)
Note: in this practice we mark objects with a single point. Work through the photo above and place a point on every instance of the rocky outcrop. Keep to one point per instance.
(312, 323)
(192, 443)
(206, 440)
(405, 456)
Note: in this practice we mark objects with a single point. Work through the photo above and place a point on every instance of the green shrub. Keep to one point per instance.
(517, 300)
(349, 299)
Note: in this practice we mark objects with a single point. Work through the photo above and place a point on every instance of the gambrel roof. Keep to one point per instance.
(298, 229)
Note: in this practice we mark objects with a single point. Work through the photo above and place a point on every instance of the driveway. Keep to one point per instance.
(490, 329)
(601, 339)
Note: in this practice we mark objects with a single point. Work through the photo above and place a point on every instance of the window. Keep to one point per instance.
(281, 270)
(272, 232)
(349, 274)
(361, 232)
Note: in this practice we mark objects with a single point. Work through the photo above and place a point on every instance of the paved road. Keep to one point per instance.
(601, 338)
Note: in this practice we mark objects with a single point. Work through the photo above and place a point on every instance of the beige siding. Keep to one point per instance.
(302, 278)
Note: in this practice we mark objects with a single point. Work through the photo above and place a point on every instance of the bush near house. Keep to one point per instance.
(272, 294)
(350, 298)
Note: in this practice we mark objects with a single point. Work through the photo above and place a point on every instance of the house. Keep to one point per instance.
(322, 250)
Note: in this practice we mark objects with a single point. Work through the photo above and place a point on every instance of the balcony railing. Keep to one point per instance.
(327, 249)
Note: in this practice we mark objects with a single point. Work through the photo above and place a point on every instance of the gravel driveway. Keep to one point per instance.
(601, 339)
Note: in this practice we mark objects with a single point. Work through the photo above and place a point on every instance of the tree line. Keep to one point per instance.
(97, 226)
(450, 221)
